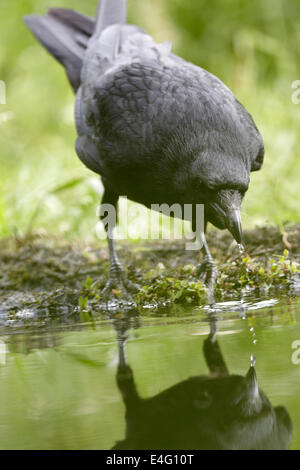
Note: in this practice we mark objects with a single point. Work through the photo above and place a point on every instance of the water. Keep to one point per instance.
(59, 390)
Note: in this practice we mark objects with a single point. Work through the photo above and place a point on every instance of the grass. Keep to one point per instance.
(45, 277)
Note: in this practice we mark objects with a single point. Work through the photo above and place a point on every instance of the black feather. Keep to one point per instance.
(72, 18)
(65, 34)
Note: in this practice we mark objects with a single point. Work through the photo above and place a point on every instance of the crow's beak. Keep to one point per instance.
(252, 384)
(252, 401)
(234, 224)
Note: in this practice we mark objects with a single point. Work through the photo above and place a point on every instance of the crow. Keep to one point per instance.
(155, 127)
(215, 411)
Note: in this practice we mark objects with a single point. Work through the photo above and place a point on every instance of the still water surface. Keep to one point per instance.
(66, 383)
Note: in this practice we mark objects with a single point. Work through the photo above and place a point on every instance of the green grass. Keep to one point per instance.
(44, 187)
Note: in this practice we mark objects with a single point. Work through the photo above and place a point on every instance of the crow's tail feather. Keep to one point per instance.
(65, 34)
(110, 12)
(72, 18)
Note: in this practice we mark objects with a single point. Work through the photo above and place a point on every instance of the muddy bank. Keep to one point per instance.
(46, 276)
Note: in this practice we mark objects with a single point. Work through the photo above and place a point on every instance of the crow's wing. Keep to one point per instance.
(118, 46)
(160, 122)
(148, 107)
(102, 55)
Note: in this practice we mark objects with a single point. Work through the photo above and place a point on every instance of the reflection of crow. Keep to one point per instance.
(155, 127)
(219, 411)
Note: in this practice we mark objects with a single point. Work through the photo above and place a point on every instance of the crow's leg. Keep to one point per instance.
(117, 277)
(208, 268)
(212, 353)
(125, 378)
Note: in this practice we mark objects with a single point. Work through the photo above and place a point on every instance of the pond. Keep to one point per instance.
(67, 381)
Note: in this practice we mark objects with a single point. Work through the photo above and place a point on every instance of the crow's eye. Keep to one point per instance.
(243, 192)
(240, 188)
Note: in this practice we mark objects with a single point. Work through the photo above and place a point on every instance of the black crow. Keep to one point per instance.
(157, 128)
(215, 411)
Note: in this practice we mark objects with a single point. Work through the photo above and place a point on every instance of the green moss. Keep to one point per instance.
(182, 285)
(170, 289)
(45, 276)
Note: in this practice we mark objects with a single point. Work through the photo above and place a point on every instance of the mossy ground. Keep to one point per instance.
(46, 276)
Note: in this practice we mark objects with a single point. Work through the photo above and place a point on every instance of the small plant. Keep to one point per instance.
(247, 272)
(171, 289)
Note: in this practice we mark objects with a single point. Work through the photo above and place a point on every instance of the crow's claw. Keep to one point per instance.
(208, 271)
(118, 286)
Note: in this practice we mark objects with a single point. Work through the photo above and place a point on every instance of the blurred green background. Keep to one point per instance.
(254, 47)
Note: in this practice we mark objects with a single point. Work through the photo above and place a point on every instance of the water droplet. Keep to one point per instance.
(252, 360)
(241, 248)
(254, 341)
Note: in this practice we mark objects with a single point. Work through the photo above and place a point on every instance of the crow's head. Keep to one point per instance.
(222, 163)
(223, 211)
(224, 182)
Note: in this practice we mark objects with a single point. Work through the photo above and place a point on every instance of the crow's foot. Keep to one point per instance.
(208, 272)
(118, 286)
